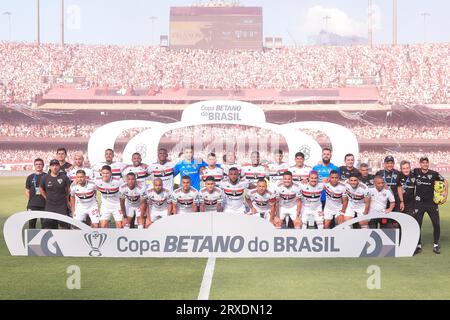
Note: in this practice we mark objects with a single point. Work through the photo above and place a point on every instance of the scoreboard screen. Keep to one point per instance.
(216, 28)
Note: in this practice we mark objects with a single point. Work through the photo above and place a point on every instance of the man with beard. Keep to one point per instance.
(324, 169)
(162, 169)
(348, 169)
(138, 168)
(254, 172)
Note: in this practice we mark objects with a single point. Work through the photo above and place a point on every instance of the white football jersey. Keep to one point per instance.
(379, 199)
(261, 202)
(184, 200)
(334, 196)
(216, 173)
(109, 191)
(356, 196)
(140, 172)
(211, 199)
(233, 194)
(300, 174)
(227, 167)
(72, 173)
(253, 173)
(287, 196)
(164, 172)
(132, 196)
(157, 201)
(85, 196)
(311, 196)
(276, 171)
(116, 168)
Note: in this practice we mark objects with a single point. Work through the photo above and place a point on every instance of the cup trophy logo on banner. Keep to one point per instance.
(95, 240)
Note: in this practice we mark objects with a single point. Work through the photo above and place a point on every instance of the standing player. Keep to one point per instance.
(310, 195)
(162, 169)
(78, 164)
(261, 201)
(323, 170)
(138, 168)
(116, 167)
(365, 176)
(408, 183)
(254, 172)
(190, 167)
(233, 190)
(358, 199)
(425, 180)
(300, 171)
(337, 200)
(185, 198)
(229, 161)
(109, 188)
(379, 197)
(83, 199)
(130, 196)
(212, 170)
(210, 197)
(277, 169)
(61, 155)
(288, 200)
(391, 178)
(36, 201)
(157, 200)
(349, 168)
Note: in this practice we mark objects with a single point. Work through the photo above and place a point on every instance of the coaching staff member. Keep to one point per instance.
(425, 179)
(36, 201)
(55, 189)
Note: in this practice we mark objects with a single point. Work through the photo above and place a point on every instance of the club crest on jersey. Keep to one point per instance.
(59, 181)
(430, 176)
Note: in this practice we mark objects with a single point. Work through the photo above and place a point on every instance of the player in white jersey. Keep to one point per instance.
(277, 169)
(300, 172)
(233, 190)
(336, 200)
(185, 198)
(358, 199)
(261, 201)
(212, 170)
(116, 167)
(138, 168)
(229, 161)
(156, 199)
(289, 202)
(130, 199)
(109, 186)
(83, 199)
(252, 173)
(162, 169)
(379, 196)
(78, 164)
(210, 197)
(312, 206)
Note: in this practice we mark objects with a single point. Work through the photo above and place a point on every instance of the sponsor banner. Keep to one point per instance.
(211, 234)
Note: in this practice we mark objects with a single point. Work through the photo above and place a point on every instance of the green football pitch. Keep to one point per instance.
(426, 276)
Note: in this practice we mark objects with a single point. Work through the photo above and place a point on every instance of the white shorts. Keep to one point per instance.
(157, 214)
(81, 213)
(105, 214)
(260, 214)
(315, 214)
(351, 212)
(234, 210)
(288, 212)
(133, 211)
(330, 214)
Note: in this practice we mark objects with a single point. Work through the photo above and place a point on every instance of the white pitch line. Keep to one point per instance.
(207, 279)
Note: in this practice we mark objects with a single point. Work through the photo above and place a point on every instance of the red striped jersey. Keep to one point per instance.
(311, 196)
(253, 173)
(157, 201)
(116, 168)
(184, 200)
(276, 171)
(300, 174)
(227, 167)
(85, 196)
(334, 196)
(216, 173)
(132, 196)
(109, 191)
(356, 195)
(164, 172)
(233, 194)
(287, 196)
(140, 172)
(211, 199)
(261, 202)
(72, 173)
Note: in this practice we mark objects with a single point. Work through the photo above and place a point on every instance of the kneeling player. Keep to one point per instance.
(336, 200)
(210, 197)
(288, 202)
(184, 199)
(261, 201)
(130, 196)
(109, 189)
(156, 199)
(358, 199)
(83, 199)
(312, 206)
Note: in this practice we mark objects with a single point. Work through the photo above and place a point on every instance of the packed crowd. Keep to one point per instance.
(406, 74)
(406, 131)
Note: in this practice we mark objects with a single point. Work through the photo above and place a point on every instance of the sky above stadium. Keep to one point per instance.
(128, 22)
